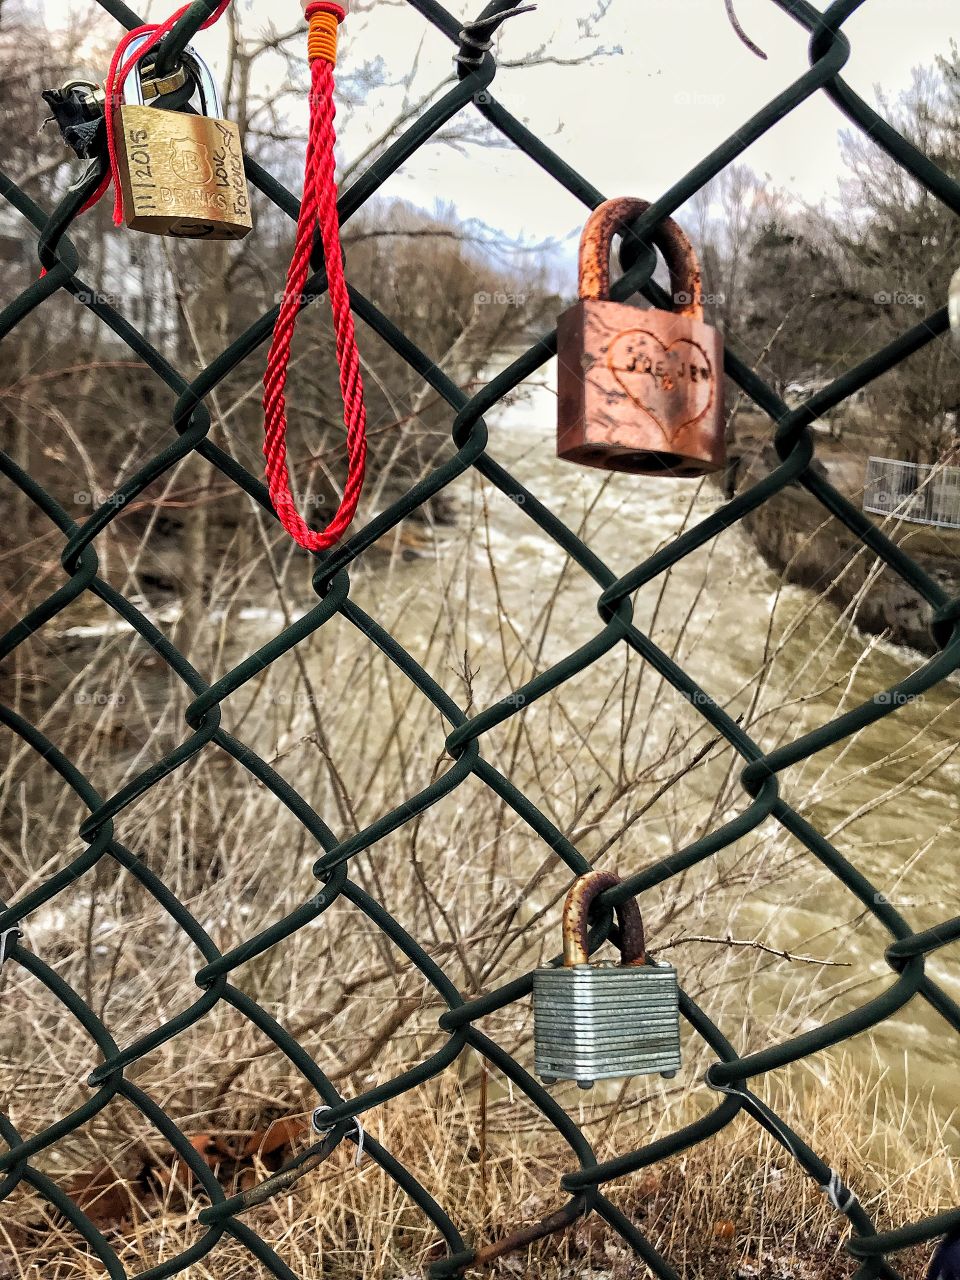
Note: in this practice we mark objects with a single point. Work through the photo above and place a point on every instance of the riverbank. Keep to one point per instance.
(807, 547)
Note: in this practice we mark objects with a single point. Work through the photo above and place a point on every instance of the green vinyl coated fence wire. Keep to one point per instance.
(731, 1073)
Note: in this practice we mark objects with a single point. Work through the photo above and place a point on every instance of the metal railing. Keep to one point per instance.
(921, 492)
(103, 828)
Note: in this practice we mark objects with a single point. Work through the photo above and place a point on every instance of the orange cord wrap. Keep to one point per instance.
(322, 38)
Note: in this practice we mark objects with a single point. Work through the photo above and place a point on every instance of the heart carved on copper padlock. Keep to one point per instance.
(639, 390)
(671, 382)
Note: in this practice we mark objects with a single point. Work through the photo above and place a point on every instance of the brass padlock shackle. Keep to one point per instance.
(210, 100)
(577, 908)
(607, 219)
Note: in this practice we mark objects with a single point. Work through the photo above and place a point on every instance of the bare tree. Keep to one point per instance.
(904, 244)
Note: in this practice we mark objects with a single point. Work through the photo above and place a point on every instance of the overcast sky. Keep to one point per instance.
(634, 121)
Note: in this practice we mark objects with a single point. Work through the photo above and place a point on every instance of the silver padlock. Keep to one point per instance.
(604, 1021)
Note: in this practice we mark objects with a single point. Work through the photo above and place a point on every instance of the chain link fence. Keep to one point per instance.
(731, 1074)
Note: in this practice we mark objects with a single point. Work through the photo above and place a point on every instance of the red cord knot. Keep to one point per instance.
(324, 17)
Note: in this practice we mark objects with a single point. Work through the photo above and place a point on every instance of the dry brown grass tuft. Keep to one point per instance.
(622, 765)
(736, 1206)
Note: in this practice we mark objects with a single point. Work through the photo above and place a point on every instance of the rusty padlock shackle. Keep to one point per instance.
(577, 908)
(679, 254)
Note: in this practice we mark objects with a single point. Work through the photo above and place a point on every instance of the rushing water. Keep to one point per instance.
(887, 799)
(733, 609)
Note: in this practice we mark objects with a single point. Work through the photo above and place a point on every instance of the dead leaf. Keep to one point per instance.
(104, 1196)
(109, 1200)
(278, 1136)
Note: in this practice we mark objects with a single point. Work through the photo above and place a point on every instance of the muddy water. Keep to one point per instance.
(887, 798)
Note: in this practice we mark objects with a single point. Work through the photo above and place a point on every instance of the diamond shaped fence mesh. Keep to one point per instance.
(465, 760)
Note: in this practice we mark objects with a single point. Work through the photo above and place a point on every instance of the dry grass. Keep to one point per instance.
(622, 765)
(735, 1206)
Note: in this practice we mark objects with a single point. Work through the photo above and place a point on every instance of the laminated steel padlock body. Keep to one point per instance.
(639, 390)
(604, 1022)
(181, 174)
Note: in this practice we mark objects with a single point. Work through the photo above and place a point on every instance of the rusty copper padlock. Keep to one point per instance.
(639, 390)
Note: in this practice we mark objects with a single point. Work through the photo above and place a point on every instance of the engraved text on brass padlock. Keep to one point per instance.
(182, 174)
(639, 390)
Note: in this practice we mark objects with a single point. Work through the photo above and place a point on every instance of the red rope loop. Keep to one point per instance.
(318, 209)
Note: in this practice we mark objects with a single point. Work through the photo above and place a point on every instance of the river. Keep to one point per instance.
(493, 585)
(887, 798)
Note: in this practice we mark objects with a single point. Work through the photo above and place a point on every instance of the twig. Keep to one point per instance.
(305, 1163)
(735, 23)
(729, 941)
(528, 1234)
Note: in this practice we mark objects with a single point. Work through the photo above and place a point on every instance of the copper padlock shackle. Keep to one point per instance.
(686, 281)
(211, 103)
(633, 951)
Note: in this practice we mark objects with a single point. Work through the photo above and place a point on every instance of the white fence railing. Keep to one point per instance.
(916, 491)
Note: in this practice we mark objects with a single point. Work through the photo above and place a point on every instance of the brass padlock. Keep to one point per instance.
(598, 1021)
(181, 174)
(639, 390)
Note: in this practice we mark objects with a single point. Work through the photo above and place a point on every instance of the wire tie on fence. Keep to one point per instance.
(756, 1105)
(839, 1195)
(320, 1128)
(5, 942)
(472, 35)
(834, 1190)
